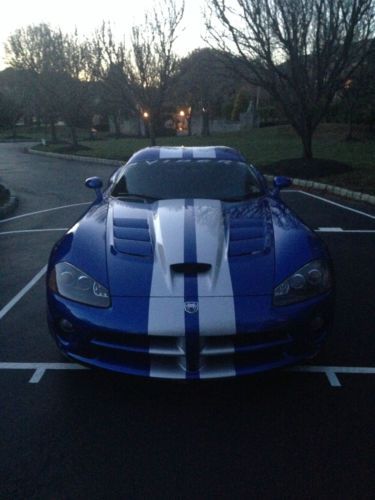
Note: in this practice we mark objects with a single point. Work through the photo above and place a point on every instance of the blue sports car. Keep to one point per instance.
(188, 266)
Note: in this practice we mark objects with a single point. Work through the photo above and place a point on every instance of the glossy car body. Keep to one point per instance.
(188, 284)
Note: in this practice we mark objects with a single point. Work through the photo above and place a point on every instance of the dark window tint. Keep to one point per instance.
(222, 180)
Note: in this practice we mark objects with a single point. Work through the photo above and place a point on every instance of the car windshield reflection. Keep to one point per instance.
(230, 181)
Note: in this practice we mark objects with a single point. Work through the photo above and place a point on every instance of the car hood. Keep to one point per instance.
(162, 249)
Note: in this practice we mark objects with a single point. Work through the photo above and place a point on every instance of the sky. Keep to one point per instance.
(87, 15)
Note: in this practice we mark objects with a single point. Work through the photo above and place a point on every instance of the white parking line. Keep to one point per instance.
(29, 214)
(22, 292)
(331, 202)
(21, 231)
(339, 230)
(40, 368)
(330, 371)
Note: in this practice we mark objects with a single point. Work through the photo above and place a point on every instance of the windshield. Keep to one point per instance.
(170, 179)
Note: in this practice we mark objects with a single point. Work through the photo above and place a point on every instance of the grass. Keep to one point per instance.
(263, 147)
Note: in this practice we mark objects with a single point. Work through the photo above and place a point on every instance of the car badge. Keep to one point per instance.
(191, 307)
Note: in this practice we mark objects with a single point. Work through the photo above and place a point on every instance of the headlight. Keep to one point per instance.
(76, 285)
(312, 279)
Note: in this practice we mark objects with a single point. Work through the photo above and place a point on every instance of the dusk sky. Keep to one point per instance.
(87, 15)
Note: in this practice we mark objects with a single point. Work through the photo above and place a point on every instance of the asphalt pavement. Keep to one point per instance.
(70, 433)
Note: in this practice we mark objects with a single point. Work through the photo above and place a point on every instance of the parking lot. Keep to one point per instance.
(69, 432)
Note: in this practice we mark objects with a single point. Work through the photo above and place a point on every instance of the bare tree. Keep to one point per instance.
(57, 65)
(75, 95)
(110, 69)
(37, 50)
(205, 85)
(301, 51)
(154, 61)
(15, 97)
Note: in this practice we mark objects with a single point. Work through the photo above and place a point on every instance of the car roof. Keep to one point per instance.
(187, 153)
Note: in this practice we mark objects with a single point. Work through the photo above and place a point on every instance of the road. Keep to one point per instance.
(76, 433)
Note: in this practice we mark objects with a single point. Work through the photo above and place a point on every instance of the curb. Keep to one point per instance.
(91, 159)
(9, 206)
(328, 188)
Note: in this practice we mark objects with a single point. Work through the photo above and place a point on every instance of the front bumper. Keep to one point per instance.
(112, 339)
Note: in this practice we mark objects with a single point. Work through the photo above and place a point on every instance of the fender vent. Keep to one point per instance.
(190, 268)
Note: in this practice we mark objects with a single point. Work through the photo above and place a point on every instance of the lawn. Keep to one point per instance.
(262, 147)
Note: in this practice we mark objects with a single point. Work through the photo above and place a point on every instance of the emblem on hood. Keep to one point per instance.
(191, 307)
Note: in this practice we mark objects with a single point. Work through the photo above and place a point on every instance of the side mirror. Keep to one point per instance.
(97, 184)
(281, 182)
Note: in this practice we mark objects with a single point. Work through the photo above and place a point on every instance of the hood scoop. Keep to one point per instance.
(132, 237)
(247, 237)
(190, 268)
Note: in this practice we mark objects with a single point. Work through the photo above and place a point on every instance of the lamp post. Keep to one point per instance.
(149, 126)
(146, 117)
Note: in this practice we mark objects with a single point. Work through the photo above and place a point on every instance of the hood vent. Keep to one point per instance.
(190, 268)
(247, 237)
(132, 237)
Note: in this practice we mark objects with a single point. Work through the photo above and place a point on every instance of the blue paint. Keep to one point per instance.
(191, 293)
(266, 244)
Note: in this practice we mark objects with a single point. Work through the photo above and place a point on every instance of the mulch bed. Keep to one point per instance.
(306, 169)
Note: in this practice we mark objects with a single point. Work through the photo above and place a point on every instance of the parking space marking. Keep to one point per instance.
(33, 231)
(40, 368)
(331, 202)
(22, 292)
(339, 230)
(331, 372)
(329, 230)
(29, 214)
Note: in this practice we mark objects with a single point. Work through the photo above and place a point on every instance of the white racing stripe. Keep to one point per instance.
(22, 292)
(166, 314)
(215, 292)
(166, 306)
(166, 153)
(204, 153)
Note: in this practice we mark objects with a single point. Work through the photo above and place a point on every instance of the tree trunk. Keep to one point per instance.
(205, 123)
(189, 124)
(116, 123)
(306, 138)
(349, 135)
(152, 133)
(53, 131)
(188, 119)
(73, 131)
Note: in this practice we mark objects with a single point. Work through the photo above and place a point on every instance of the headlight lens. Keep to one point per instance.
(312, 279)
(76, 285)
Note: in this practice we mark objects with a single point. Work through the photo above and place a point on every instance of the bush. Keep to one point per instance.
(4, 194)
